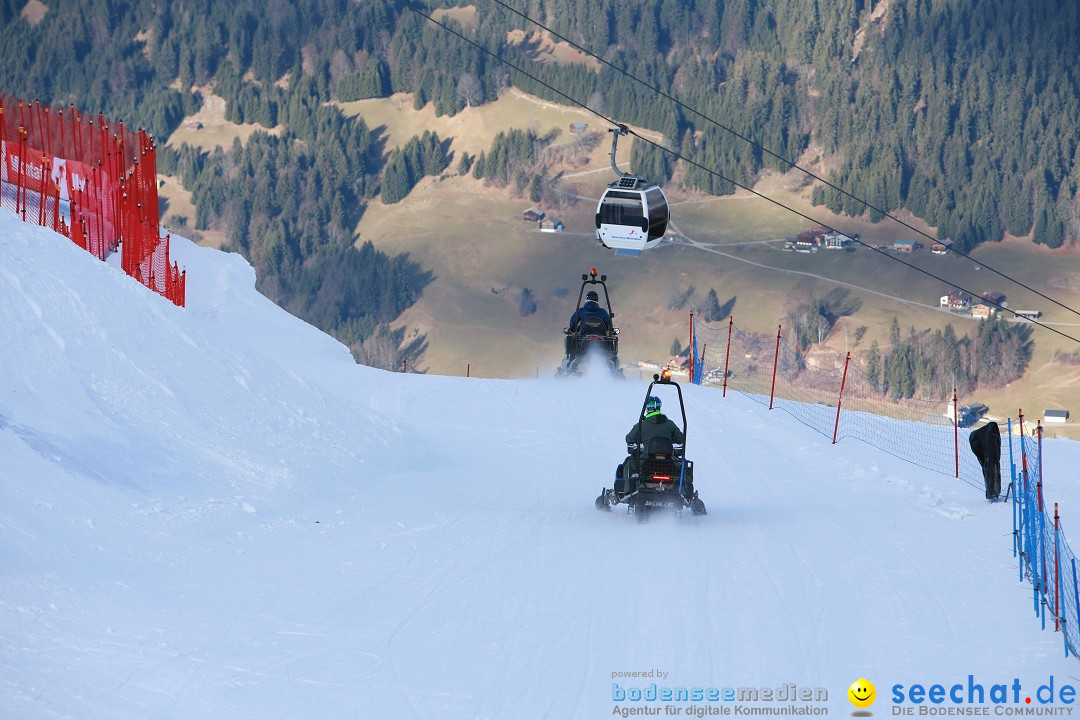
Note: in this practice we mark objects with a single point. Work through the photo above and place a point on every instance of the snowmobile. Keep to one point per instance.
(592, 336)
(658, 478)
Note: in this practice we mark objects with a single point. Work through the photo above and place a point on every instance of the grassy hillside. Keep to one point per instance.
(473, 128)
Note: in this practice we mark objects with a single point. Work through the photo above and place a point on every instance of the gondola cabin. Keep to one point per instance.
(632, 216)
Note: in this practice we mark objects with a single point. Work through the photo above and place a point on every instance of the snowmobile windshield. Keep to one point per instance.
(622, 208)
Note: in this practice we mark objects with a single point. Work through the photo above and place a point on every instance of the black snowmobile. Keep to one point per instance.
(593, 335)
(658, 478)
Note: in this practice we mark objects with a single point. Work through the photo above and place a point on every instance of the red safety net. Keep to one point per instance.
(91, 180)
(835, 397)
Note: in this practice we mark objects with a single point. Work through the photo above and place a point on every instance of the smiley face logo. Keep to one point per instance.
(862, 693)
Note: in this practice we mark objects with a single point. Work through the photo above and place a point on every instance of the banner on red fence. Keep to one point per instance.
(57, 172)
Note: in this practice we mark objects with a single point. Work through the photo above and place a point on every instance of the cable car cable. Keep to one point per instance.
(860, 242)
(718, 174)
(779, 157)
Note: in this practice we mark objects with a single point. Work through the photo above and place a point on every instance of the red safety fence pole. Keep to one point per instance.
(956, 429)
(178, 286)
(22, 172)
(63, 143)
(129, 227)
(1023, 451)
(85, 154)
(111, 180)
(1057, 567)
(1039, 493)
(76, 132)
(404, 364)
(1039, 487)
(48, 133)
(86, 195)
(840, 398)
(727, 353)
(776, 361)
(40, 133)
(692, 358)
(56, 219)
(99, 196)
(42, 220)
(87, 126)
(17, 169)
(13, 170)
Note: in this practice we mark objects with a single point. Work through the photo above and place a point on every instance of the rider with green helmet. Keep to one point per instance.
(655, 424)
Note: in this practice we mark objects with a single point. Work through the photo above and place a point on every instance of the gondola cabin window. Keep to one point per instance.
(658, 213)
(622, 208)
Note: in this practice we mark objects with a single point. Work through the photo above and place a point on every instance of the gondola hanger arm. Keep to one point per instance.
(615, 133)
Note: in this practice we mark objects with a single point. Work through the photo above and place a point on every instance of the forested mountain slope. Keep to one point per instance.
(961, 112)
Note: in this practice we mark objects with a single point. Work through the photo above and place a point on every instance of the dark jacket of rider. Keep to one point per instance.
(658, 425)
(590, 308)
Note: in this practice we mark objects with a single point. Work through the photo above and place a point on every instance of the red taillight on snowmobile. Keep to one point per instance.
(661, 478)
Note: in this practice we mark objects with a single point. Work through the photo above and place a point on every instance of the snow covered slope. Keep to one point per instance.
(212, 512)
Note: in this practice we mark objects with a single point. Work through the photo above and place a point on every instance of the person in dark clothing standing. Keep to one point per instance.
(591, 308)
(986, 444)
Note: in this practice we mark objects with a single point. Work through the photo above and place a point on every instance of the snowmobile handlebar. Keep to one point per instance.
(636, 448)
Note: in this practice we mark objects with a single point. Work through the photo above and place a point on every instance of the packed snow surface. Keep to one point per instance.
(212, 512)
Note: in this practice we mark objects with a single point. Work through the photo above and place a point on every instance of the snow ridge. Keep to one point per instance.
(212, 512)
